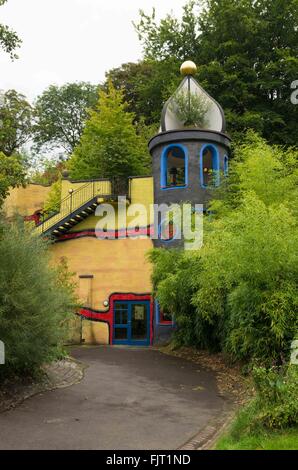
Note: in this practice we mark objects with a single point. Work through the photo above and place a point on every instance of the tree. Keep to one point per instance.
(146, 86)
(12, 174)
(16, 116)
(44, 170)
(9, 40)
(35, 301)
(246, 52)
(61, 113)
(110, 145)
(170, 37)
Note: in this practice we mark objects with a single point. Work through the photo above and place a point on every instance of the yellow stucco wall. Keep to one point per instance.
(95, 332)
(25, 201)
(116, 266)
(141, 190)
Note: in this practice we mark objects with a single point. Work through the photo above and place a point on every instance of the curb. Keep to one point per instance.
(48, 385)
(207, 437)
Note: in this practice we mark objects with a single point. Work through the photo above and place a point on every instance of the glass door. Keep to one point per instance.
(132, 323)
(139, 322)
(121, 312)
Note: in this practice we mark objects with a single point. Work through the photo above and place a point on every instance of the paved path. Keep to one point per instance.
(129, 399)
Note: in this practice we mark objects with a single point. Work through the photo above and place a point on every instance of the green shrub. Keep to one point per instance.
(191, 109)
(271, 418)
(276, 403)
(34, 302)
(52, 203)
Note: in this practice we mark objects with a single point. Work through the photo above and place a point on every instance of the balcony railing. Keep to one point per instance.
(75, 200)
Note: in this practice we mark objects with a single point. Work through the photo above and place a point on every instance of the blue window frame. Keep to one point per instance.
(162, 318)
(132, 322)
(174, 167)
(226, 165)
(209, 166)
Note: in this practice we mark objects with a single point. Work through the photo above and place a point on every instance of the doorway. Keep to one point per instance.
(132, 323)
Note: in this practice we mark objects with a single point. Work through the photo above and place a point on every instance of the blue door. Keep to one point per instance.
(132, 323)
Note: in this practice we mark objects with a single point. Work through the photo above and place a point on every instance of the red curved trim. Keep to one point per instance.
(100, 234)
(108, 315)
(36, 217)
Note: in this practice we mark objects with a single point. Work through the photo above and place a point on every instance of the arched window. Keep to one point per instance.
(226, 165)
(209, 166)
(173, 168)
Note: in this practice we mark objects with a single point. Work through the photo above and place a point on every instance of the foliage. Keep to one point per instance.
(16, 117)
(52, 203)
(241, 436)
(146, 85)
(9, 41)
(266, 440)
(45, 171)
(276, 401)
(12, 174)
(270, 419)
(241, 287)
(190, 109)
(110, 145)
(228, 40)
(170, 37)
(34, 301)
(61, 113)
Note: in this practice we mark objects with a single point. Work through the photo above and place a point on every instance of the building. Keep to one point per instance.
(106, 242)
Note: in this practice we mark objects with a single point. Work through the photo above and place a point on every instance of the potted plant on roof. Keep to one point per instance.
(191, 109)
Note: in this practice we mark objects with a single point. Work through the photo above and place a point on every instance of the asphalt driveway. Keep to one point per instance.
(130, 398)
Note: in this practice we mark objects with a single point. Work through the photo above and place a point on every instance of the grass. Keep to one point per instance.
(270, 440)
(241, 436)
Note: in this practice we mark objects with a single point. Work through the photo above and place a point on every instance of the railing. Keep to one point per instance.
(74, 201)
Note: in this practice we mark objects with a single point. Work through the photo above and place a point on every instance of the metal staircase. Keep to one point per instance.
(74, 208)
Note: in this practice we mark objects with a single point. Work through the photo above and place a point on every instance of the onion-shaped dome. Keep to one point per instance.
(191, 106)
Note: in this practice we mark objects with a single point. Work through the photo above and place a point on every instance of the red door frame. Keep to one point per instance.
(107, 316)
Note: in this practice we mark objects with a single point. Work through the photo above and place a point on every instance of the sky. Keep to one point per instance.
(72, 40)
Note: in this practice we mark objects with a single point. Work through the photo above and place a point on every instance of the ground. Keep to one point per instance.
(129, 398)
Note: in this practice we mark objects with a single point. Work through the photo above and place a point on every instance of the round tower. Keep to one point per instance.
(190, 154)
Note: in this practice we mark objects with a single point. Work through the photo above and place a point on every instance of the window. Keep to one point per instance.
(163, 318)
(174, 172)
(209, 166)
(226, 165)
(121, 314)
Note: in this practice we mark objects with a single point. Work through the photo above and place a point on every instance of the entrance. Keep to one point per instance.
(132, 323)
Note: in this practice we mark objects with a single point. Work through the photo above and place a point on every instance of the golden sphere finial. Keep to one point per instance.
(188, 68)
